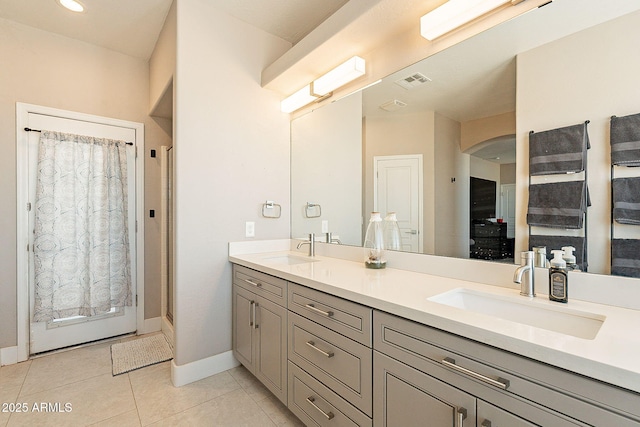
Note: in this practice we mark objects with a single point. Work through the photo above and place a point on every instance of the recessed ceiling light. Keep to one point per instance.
(72, 5)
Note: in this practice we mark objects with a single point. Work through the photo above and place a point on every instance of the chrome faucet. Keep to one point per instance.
(527, 285)
(311, 243)
(330, 239)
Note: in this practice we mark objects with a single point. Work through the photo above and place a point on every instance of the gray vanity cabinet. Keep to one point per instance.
(404, 396)
(505, 389)
(259, 329)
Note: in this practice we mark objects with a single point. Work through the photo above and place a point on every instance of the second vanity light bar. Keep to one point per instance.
(455, 13)
(323, 86)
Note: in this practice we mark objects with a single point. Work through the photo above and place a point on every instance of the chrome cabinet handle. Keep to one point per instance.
(255, 319)
(317, 310)
(325, 353)
(252, 313)
(462, 414)
(501, 383)
(327, 415)
(486, 423)
(252, 283)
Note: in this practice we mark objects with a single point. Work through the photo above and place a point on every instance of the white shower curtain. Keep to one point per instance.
(81, 244)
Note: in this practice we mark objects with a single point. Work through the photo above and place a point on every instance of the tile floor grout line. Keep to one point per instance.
(135, 401)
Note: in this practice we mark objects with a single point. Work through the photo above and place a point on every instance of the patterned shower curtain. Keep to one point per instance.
(81, 245)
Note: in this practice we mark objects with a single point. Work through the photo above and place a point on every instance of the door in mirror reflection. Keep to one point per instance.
(398, 188)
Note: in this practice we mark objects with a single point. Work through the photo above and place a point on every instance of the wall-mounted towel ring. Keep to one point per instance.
(312, 210)
(271, 209)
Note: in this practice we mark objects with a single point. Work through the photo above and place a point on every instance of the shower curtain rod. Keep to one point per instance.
(38, 130)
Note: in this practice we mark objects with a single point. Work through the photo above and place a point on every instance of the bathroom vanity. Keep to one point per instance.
(343, 345)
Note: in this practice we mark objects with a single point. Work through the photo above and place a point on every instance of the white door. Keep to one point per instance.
(508, 208)
(398, 188)
(60, 333)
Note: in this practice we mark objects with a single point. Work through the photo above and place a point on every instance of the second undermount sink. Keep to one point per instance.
(289, 259)
(559, 319)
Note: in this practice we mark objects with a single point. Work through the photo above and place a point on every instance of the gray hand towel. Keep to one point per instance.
(558, 204)
(626, 200)
(625, 140)
(562, 150)
(557, 242)
(625, 257)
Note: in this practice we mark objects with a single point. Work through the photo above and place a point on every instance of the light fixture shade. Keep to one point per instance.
(453, 14)
(339, 76)
(297, 100)
(72, 5)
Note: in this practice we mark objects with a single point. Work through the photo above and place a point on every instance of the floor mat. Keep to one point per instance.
(135, 354)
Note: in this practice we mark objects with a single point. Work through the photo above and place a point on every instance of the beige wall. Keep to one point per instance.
(403, 134)
(476, 131)
(54, 71)
(590, 75)
(162, 63)
(231, 155)
(451, 198)
(508, 173)
(328, 142)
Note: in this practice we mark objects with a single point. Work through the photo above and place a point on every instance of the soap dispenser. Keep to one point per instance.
(569, 258)
(558, 278)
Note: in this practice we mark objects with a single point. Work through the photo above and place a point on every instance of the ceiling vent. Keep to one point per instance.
(412, 81)
(393, 105)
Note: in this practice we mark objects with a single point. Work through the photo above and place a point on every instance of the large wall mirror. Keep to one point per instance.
(444, 143)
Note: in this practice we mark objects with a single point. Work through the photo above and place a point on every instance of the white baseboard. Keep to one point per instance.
(8, 355)
(194, 371)
(151, 325)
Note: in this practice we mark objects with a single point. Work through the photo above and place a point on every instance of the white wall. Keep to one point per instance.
(327, 143)
(451, 201)
(398, 134)
(590, 75)
(47, 69)
(231, 154)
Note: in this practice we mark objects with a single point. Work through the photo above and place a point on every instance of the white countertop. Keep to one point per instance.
(613, 356)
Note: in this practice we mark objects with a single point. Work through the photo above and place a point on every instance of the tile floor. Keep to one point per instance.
(82, 378)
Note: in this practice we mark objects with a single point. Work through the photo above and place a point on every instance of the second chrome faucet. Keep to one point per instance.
(311, 243)
(524, 275)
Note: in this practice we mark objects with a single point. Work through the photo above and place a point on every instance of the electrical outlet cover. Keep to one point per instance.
(325, 226)
(250, 229)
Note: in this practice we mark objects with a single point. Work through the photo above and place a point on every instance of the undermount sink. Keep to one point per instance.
(559, 319)
(289, 260)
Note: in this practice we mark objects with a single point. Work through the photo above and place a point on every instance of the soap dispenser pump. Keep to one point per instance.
(569, 258)
(558, 278)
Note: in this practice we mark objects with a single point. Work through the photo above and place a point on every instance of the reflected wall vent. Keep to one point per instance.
(393, 105)
(412, 81)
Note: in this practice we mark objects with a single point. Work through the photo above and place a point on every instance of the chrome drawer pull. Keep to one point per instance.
(500, 382)
(325, 353)
(462, 414)
(252, 313)
(328, 415)
(317, 310)
(255, 319)
(257, 285)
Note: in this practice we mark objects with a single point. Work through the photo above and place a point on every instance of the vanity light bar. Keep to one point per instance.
(323, 86)
(340, 76)
(298, 100)
(455, 13)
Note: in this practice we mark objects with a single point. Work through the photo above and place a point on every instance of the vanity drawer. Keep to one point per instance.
(272, 288)
(340, 363)
(500, 376)
(345, 317)
(315, 404)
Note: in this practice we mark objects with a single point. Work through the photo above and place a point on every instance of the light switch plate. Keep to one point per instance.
(325, 226)
(250, 229)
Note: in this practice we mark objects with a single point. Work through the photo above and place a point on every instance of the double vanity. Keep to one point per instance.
(343, 345)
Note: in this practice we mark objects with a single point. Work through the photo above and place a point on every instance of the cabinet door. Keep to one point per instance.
(404, 396)
(270, 330)
(242, 328)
